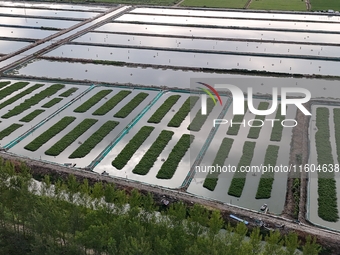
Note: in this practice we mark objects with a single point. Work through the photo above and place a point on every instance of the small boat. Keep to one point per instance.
(264, 207)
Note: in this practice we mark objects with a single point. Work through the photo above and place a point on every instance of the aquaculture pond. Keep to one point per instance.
(36, 22)
(7, 46)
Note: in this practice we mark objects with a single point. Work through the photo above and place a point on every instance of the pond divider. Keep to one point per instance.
(125, 131)
(31, 130)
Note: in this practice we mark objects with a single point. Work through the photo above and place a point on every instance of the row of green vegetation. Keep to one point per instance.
(215, 3)
(149, 158)
(4, 83)
(210, 181)
(92, 101)
(327, 200)
(9, 130)
(264, 189)
(164, 109)
(277, 128)
(239, 178)
(12, 88)
(28, 103)
(32, 115)
(200, 119)
(49, 133)
(169, 167)
(125, 155)
(69, 138)
(133, 104)
(254, 131)
(336, 119)
(288, 5)
(111, 103)
(234, 128)
(52, 102)
(94, 139)
(325, 5)
(68, 92)
(181, 114)
(69, 219)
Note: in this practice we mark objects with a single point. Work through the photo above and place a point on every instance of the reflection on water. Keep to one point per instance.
(25, 32)
(32, 22)
(7, 47)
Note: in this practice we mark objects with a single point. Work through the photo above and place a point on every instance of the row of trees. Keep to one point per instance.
(72, 218)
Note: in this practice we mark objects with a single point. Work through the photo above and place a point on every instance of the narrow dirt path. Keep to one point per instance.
(179, 3)
(246, 6)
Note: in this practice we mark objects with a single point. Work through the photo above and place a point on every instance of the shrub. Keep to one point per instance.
(239, 178)
(52, 102)
(129, 107)
(264, 189)
(178, 118)
(125, 155)
(28, 103)
(69, 138)
(12, 88)
(152, 154)
(92, 101)
(49, 133)
(200, 119)
(32, 115)
(68, 92)
(169, 167)
(210, 181)
(255, 131)
(9, 130)
(233, 129)
(94, 139)
(110, 104)
(164, 109)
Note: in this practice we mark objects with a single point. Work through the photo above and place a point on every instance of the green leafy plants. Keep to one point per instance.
(28, 103)
(149, 158)
(68, 92)
(234, 128)
(200, 119)
(94, 139)
(264, 189)
(164, 109)
(277, 128)
(4, 83)
(52, 102)
(20, 95)
(129, 107)
(336, 119)
(254, 131)
(69, 138)
(169, 167)
(93, 100)
(327, 201)
(110, 104)
(32, 115)
(9, 130)
(12, 88)
(178, 118)
(125, 155)
(239, 178)
(49, 133)
(210, 181)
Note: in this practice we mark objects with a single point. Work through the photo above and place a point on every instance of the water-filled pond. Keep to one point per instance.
(25, 32)
(33, 22)
(7, 47)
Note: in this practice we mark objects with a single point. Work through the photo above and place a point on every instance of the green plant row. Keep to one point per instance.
(49, 133)
(254, 132)
(264, 189)
(169, 167)
(9, 130)
(178, 118)
(149, 158)
(239, 178)
(12, 88)
(4, 83)
(163, 109)
(233, 129)
(68, 92)
(94, 139)
(111, 103)
(277, 128)
(327, 201)
(92, 101)
(28, 103)
(52, 102)
(20, 95)
(129, 107)
(69, 138)
(210, 181)
(336, 119)
(200, 119)
(125, 155)
(32, 115)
